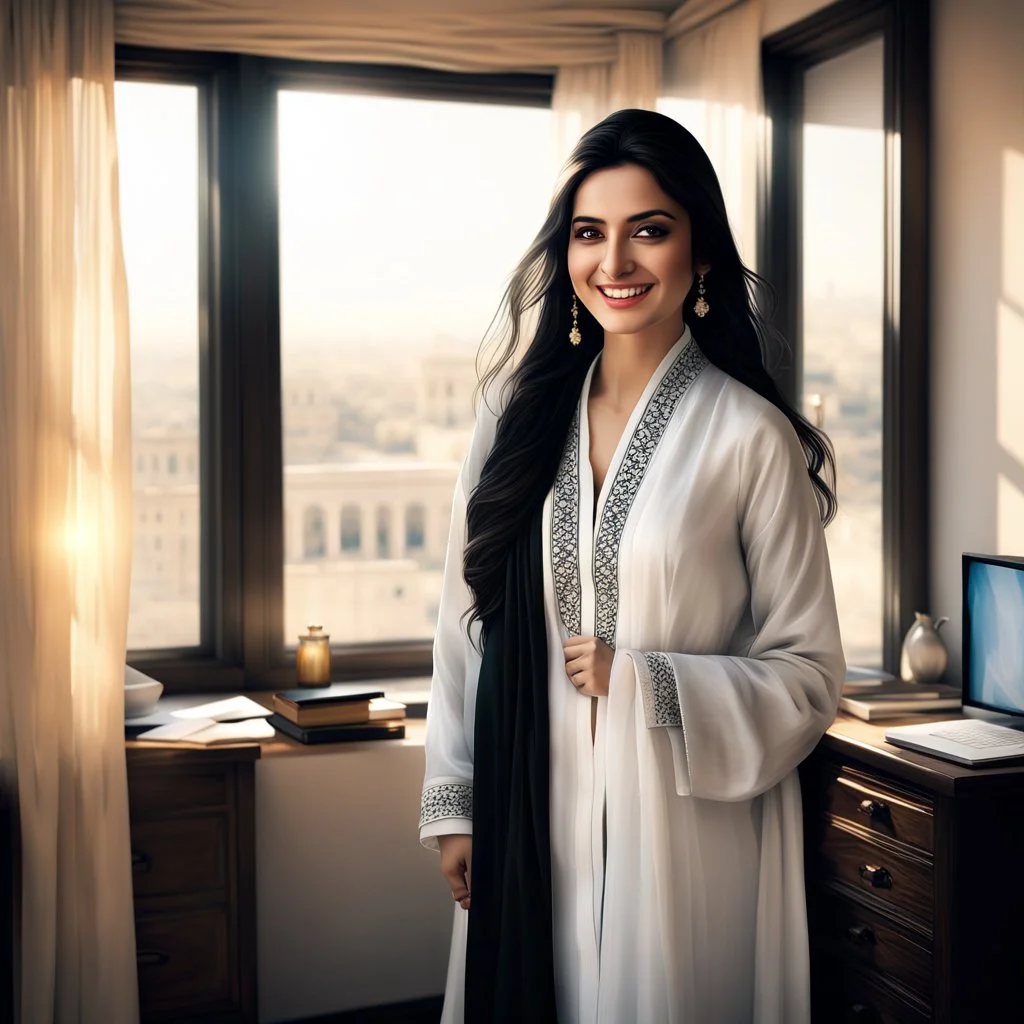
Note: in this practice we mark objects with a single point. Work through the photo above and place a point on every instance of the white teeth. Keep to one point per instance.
(625, 293)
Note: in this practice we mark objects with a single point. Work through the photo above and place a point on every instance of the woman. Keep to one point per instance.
(638, 641)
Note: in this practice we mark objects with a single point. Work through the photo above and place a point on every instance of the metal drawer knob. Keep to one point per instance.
(862, 934)
(876, 810)
(140, 861)
(878, 877)
(151, 958)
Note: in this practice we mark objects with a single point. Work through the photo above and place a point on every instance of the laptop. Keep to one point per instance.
(993, 672)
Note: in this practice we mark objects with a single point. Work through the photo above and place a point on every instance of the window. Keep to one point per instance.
(383, 532)
(314, 535)
(845, 241)
(415, 528)
(312, 396)
(351, 528)
(158, 131)
(388, 280)
(842, 311)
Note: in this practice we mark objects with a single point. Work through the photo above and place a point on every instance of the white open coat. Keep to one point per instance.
(676, 838)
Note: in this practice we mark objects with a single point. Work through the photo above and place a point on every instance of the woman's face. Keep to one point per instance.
(630, 258)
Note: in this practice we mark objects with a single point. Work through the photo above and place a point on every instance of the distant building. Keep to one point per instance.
(447, 383)
(309, 419)
(364, 545)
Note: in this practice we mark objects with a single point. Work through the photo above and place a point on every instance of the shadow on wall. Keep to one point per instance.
(1010, 362)
(977, 330)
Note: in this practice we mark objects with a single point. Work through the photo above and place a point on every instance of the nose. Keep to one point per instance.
(616, 261)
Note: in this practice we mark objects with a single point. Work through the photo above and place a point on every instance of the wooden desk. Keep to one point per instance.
(192, 824)
(192, 815)
(913, 882)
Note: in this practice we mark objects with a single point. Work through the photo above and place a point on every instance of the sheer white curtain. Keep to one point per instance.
(65, 529)
(585, 93)
(712, 85)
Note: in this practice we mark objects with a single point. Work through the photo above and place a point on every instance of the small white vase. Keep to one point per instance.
(924, 657)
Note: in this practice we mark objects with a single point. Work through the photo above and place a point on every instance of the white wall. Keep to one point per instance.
(977, 330)
(351, 910)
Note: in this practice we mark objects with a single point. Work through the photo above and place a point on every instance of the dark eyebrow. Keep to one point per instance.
(629, 220)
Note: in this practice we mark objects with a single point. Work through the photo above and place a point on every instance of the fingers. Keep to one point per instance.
(457, 877)
(578, 646)
(579, 660)
(578, 665)
(581, 678)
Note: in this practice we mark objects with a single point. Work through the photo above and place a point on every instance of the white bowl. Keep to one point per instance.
(140, 698)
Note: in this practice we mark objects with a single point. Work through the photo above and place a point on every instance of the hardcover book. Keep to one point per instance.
(899, 705)
(336, 693)
(346, 713)
(339, 733)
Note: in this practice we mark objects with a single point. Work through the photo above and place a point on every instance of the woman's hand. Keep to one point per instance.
(588, 664)
(457, 865)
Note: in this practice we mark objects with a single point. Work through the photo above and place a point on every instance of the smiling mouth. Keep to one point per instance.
(630, 292)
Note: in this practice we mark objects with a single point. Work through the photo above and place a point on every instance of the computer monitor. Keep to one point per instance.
(993, 633)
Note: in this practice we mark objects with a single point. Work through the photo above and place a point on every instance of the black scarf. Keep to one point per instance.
(510, 958)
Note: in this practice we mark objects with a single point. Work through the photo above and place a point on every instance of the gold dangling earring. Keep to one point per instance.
(701, 307)
(574, 332)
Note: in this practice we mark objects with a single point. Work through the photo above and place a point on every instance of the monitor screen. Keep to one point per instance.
(994, 633)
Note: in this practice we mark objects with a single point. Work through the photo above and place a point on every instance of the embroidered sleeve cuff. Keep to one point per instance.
(444, 827)
(659, 690)
(446, 808)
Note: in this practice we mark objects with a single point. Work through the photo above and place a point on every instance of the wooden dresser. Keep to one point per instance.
(193, 872)
(915, 884)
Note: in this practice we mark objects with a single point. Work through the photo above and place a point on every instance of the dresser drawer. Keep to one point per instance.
(878, 807)
(168, 790)
(842, 996)
(891, 878)
(180, 855)
(853, 934)
(183, 963)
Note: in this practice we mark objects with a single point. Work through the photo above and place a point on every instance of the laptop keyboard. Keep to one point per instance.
(979, 734)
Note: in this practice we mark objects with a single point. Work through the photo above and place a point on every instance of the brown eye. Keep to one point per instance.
(658, 231)
(586, 234)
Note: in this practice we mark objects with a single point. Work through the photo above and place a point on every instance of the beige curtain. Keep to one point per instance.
(585, 93)
(456, 35)
(65, 537)
(712, 85)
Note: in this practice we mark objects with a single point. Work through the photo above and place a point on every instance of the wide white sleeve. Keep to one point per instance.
(446, 805)
(739, 725)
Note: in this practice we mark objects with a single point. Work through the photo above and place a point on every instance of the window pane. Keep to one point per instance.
(400, 222)
(843, 267)
(157, 131)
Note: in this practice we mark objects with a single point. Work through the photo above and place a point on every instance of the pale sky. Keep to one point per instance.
(400, 220)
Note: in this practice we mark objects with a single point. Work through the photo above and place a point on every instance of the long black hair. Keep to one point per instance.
(540, 395)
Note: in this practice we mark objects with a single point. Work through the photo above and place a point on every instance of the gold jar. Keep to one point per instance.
(313, 658)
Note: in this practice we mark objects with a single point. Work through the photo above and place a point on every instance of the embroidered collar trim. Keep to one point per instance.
(565, 506)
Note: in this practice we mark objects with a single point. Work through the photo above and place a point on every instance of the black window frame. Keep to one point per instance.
(242, 645)
(903, 26)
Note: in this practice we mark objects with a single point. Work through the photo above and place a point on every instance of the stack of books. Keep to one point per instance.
(873, 695)
(336, 714)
